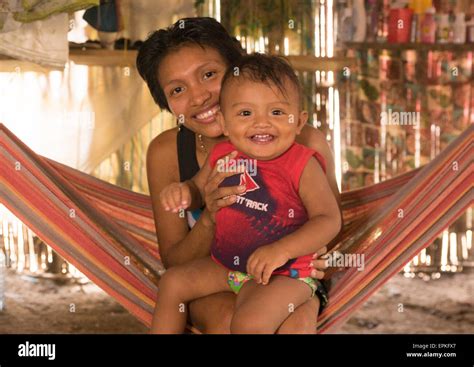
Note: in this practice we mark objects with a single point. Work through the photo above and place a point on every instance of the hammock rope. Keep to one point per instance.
(108, 232)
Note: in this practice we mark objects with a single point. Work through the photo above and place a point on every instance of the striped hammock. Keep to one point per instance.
(108, 232)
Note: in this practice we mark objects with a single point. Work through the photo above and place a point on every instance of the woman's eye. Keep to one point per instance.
(245, 113)
(277, 112)
(209, 74)
(176, 91)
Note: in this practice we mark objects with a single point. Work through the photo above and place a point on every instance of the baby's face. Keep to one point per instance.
(259, 119)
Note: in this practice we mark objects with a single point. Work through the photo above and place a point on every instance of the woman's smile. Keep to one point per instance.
(207, 115)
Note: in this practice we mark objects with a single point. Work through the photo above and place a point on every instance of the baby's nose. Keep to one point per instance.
(261, 121)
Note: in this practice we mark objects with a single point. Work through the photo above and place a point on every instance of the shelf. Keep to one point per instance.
(313, 63)
(89, 57)
(128, 58)
(101, 57)
(411, 46)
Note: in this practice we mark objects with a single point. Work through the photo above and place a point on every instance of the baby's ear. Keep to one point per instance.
(221, 121)
(302, 119)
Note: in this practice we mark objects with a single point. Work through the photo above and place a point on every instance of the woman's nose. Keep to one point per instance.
(200, 96)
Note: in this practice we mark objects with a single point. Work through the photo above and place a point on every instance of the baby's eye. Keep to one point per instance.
(176, 91)
(244, 113)
(277, 112)
(209, 74)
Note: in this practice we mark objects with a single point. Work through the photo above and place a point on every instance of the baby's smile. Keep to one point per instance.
(262, 138)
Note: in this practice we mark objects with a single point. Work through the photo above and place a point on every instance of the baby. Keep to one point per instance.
(265, 240)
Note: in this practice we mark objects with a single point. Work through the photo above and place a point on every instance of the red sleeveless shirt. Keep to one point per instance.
(269, 209)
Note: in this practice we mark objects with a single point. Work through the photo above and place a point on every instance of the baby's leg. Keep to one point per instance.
(261, 309)
(304, 320)
(182, 284)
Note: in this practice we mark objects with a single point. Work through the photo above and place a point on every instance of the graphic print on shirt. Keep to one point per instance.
(249, 182)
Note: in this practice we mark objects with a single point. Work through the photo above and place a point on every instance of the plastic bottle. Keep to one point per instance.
(443, 29)
(419, 7)
(428, 26)
(347, 28)
(359, 18)
(415, 20)
(470, 31)
(459, 29)
(372, 20)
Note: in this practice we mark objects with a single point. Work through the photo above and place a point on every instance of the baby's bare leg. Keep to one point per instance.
(304, 320)
(260, 309)
(182, 284)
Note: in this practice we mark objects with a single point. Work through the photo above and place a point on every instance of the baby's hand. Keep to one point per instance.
(175, 196)
(264, 261)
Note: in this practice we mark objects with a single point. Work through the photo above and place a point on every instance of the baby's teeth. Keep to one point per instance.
(262, 137)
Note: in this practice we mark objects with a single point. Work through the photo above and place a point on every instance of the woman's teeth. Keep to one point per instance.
(208, 113)
(262, 138)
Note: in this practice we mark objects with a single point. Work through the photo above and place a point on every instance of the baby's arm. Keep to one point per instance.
(190, 194)
(324, 223)
(324, 217)
(187, 194)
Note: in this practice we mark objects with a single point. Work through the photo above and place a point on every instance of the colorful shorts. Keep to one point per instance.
(237, 279)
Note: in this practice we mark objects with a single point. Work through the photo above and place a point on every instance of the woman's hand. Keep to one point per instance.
(319, 263)
(217, 197)
(264, 261)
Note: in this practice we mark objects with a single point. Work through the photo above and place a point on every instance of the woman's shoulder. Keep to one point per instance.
(315, 139)
(162, 150)
(312, 137)
(164, 142)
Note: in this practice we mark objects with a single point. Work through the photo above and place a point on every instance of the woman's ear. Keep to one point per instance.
(221, 121)
(302, 119)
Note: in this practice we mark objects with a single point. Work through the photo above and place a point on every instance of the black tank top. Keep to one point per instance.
(188, 165)
(187, 160)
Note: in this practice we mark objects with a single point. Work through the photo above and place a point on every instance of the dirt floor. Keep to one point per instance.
(37, 305)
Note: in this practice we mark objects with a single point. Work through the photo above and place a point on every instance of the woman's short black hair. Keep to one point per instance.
(202, 31)
(257, 67)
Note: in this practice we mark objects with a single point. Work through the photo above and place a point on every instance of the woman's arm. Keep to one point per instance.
(177, 244)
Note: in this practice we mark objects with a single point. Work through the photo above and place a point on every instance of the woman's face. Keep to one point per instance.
(191, 80)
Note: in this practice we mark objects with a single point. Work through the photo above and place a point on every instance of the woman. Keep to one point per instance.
(183, 67)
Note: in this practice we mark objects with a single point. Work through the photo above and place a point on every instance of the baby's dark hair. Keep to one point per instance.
(262, 68)
(202, 31)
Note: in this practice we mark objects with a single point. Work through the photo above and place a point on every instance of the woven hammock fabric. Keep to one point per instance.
(108, 233)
